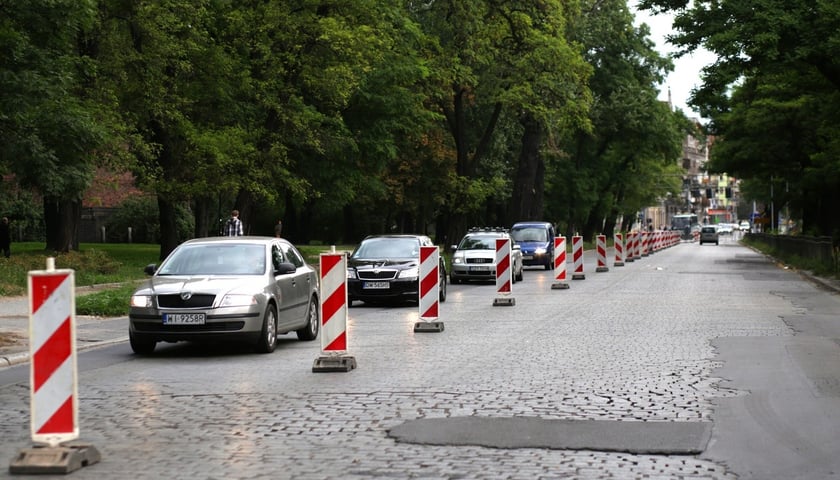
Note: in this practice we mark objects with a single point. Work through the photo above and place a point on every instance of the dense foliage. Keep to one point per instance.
(341, 118)
(773, 98)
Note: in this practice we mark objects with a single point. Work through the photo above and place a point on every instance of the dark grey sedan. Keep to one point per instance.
(244, 289)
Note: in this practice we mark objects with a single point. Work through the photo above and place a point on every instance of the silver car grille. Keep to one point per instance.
(480, 260)
(193, 301)
(377, 274)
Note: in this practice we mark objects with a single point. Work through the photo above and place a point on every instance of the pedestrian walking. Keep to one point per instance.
(233, 227)
(278, 228)
(5, 238)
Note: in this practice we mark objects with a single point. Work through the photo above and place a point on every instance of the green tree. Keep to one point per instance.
(772, 95)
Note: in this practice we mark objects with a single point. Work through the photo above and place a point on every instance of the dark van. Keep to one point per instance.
(536, 239)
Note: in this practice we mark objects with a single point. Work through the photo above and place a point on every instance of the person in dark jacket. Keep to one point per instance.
(5, 238)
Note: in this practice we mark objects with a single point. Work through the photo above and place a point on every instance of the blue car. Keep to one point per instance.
(536, 240)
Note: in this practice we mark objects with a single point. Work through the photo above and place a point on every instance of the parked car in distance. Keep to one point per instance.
(386, 268)
(536, 239)
(744, 226)
(474, 258)
(232, 289)
(725, 228)
(708, 234)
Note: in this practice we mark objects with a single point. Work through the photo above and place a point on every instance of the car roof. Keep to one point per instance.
(532, 224)
(240, 239)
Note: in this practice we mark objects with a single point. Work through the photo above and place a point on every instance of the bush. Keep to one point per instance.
(141, 215)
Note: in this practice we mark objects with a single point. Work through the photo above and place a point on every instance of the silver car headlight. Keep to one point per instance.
(540, 250)
(458, 260)
(141, 301)
(351, 274)
(232, 300)
(412, 272)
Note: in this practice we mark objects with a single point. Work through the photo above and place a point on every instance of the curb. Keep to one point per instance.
(23, 357)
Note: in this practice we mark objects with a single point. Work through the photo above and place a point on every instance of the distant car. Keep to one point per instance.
(744, 226)
(709, 234)
(725, 228)
(536, 239)
(386, 268)
(474, 258)
(246, 289)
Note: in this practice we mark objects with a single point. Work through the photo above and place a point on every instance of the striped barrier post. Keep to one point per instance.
(53, 377)
(577, 258)
(645, 244)
(637, 246)
(618, 242)
(559, 264)
(334, 357)
(629, 252)
(429, 291)
(503, 274)
(601, 253)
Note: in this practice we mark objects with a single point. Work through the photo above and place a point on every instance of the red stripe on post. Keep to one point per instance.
(333, 304)
(339, 344)
(52, 354)
(61, 421)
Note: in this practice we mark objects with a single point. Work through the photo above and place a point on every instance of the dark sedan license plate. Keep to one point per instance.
(376, 285)
(183, 319)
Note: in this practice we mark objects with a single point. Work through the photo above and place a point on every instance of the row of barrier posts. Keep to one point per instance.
(334, 354)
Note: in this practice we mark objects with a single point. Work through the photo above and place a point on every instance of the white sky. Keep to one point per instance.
(686, 74)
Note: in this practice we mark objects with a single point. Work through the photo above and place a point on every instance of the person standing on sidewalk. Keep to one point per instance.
(233, 227)
(278, 229)
(5, 237)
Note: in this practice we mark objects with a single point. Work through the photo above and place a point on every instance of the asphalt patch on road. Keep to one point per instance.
(671, 438)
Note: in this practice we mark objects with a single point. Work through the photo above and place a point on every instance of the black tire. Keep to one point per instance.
(268, 336)
(141, 345)
(442, 291)
(520, 274)
(313, 322)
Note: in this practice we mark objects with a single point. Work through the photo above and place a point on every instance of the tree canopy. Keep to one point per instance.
(342, 118)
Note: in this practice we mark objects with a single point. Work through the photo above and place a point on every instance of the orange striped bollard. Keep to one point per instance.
(334, 357)
(618, 242)
(577, 258)
(53, 377)
(560, 264)
(429, 291)
(601, 253)
(504, 274)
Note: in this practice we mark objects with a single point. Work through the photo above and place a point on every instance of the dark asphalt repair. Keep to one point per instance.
(672, 438)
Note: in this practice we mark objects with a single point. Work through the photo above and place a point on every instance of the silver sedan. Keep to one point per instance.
(245, 289)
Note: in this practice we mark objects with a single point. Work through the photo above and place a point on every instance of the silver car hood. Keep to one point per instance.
(208, 284)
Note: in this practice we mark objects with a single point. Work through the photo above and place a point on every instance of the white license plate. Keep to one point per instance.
(183, 319)
(376, 285)
(482, 268)
(527, 257)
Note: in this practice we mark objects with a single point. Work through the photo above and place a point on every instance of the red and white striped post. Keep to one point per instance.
(637, 246)
(577, 258)
(429, 292)
(645, 244)
(618, 242)
(629, 252)
(560, 264)
(53, 376)
(504, 273)
(601, 253)
(334, 357)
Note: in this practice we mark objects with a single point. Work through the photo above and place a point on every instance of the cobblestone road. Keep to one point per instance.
(633, 343)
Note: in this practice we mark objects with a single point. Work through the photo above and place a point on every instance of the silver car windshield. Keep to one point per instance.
(216, 259)
(388, 248)
(476, 242)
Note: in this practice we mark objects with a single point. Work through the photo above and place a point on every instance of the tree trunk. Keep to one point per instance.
(203, 215)
(62, 219)
(529, 183)
(168, 227)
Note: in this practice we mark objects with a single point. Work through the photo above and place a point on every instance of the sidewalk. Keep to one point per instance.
(91, 332)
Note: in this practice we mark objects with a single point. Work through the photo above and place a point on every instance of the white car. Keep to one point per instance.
(745, 226)
(725, 228)
(474, 258)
